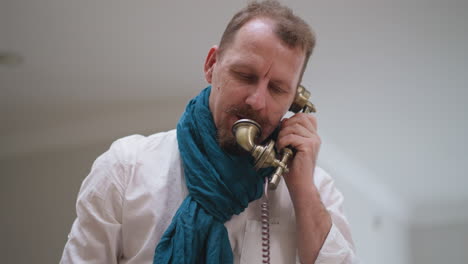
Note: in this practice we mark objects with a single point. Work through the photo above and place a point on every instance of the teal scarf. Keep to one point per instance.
(219, 185)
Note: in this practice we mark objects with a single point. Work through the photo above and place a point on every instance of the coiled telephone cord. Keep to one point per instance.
(265, 216)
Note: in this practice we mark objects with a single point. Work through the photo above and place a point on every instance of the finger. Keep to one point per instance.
(307, 120)
(297, 129)
(300, 125)
(300, 133)
(301, 144)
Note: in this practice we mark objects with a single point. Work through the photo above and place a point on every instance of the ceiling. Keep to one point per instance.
(388, 77)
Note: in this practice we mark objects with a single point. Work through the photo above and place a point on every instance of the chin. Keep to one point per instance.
(227, 142)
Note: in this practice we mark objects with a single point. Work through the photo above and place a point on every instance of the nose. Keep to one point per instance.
(257, 98)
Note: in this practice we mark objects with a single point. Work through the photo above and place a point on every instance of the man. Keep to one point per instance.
(191, 195)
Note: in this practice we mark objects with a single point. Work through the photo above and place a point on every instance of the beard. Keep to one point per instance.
(226, 139)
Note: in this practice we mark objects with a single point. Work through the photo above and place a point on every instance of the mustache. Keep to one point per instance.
(246, 111)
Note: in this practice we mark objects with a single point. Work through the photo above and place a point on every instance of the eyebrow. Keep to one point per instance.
(243, 66)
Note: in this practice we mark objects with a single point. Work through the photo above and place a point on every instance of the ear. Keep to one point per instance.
(210, 62)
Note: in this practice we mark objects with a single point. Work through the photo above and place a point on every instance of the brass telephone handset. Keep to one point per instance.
(246, 131)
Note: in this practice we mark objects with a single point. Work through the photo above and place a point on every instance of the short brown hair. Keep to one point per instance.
(289, 28)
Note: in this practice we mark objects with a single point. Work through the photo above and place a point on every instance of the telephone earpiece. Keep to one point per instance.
(301, 101)
(246, 131)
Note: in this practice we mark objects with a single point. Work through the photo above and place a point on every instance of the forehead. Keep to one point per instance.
(256, 45)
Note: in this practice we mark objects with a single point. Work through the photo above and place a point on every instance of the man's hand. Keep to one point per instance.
(312, 219)
(300, 132)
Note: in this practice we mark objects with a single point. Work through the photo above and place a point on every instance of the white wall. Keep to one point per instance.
(379, 237)
(379, 221)
(440, 243)
(37, 196)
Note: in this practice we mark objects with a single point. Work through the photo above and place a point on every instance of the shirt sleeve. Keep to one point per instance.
(96, 236)
(338, 247)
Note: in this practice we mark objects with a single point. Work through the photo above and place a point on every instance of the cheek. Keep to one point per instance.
(233, 94)
(278, 109)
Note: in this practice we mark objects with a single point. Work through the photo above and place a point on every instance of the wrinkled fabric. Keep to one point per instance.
(219, 186)
(134, 189)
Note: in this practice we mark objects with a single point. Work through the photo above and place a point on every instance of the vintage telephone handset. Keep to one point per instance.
(246, 131)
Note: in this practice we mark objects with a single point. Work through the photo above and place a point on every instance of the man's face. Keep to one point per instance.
(256, 78)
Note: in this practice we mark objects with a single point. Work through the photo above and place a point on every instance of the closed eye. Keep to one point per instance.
(247, 77)
(277, 89)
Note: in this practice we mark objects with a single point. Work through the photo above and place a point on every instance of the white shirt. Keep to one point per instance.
(134, 189)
